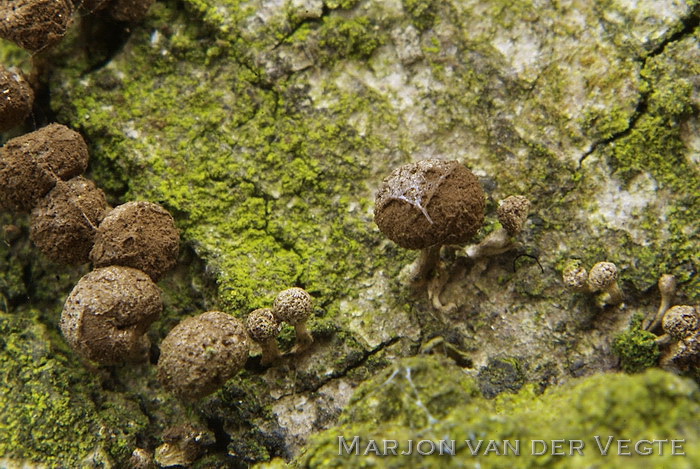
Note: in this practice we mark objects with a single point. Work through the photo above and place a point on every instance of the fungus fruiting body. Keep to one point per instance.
(142, 235)
(512, 214)
(575, 276)
(427, 204)
(16, 99)
(603, 278)
(107, 314)
(294, 306)
(201, 353)
(64, 222)
(681, 322)
(31, 164)
(35, 24)
(667, 289)
(263, 328)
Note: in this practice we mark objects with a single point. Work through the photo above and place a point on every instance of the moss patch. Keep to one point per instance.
(650, 405)
(636, 347)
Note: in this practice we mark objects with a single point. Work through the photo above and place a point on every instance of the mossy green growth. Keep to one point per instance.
(421, 12)
(636, 347)
(46, 415)
(355, 37)
(263, 186)
(656, 145)
(651, 405)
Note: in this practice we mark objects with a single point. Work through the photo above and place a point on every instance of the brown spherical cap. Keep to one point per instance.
(35, 24)
(201, 353)
(575, 276)
(431, 202)
(512, 213)
(107, 314)
(140, 235)
(63, 224)
(16, 99)
(293, 306)
(262, 325)
(130, 10)
(681, 322)
(602, 275)
(31, 164)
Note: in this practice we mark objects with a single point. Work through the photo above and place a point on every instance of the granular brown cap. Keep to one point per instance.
(31, 164)
(35, 24)
(293, 305)
(681, 321)
(107, 314)
(262, 325)
(431, 202)
(512, 213)
(201, 353)
(63, 224)
(16, 99)
(130, 10)
(140, 235)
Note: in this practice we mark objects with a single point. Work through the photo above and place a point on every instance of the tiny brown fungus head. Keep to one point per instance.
(681, 322)
(63, 224)
(263, 328)
(201, 353)
(575, 276)
(512, 213)
(294, 306)
(31, 164)
(602, 276)
(16, 99)
(106, 316)
(35, 24)
(430, 202)
(141, 235)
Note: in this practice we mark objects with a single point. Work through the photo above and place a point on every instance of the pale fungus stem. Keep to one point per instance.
(426, 264)
(667, 288)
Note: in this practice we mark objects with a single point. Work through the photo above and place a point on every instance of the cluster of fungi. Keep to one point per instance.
(432, 203)
(108, 313)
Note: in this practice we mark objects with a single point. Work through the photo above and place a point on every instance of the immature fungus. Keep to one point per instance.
(63, 224)
(263, 328)
(106, 316)
(427, 204)
(294, 306)
(681, 322)
(16, 99)
(142, 235)
(575, 276)
(667, 288)
(35, 24)
(31, 164)
(201, 353)
(512, 214)
(603, 278)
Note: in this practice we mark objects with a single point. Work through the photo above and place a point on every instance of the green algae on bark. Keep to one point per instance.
(397, 405)
(265, 190)
(47, 413)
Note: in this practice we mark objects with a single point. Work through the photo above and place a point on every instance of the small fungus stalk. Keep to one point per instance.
(667, 288)
(603, 278)
(497, 242)
(427, 263)
(303, 337)
(270, 352)
(512, 214)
